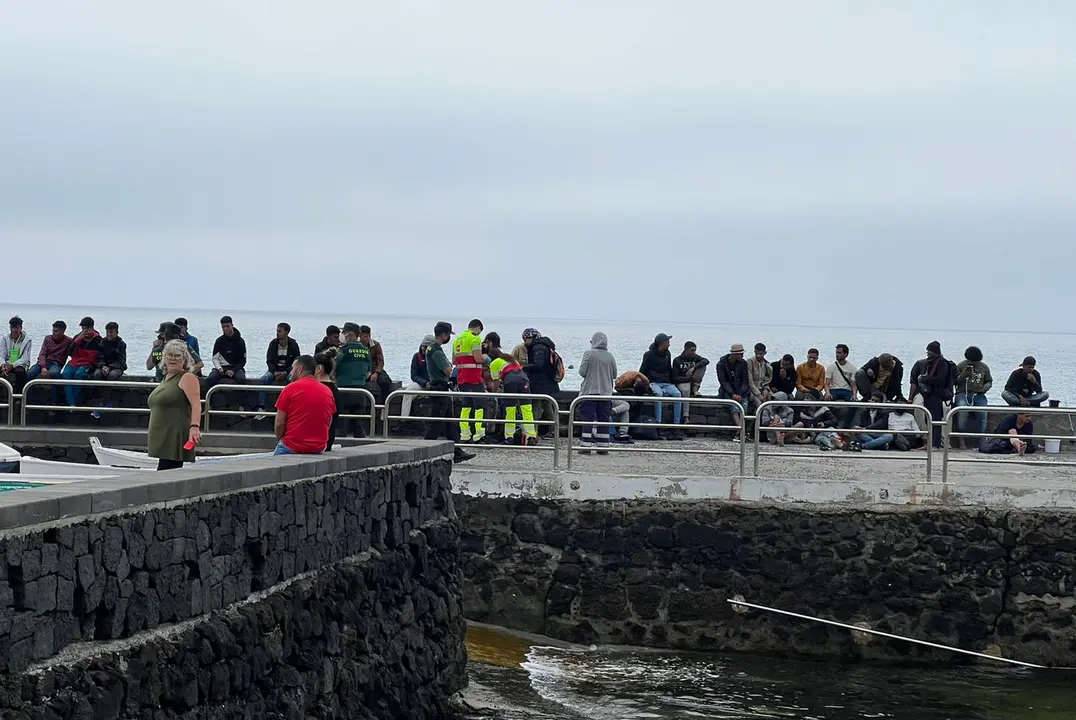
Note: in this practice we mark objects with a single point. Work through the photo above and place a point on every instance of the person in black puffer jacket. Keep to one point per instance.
(657, 366)
(541, 375)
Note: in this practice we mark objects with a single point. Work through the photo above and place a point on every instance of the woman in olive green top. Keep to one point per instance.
(175, 409)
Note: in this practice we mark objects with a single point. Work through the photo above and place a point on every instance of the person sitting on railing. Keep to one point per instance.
(734, 385)
(689, 368)
(111, 362)
(55, 350)
(440, 369)
(229, 357)
(352, 370)
(657, 366)
(16, 349)
(85, 349)
(280, 357)
(784, 377)
(1024, 386)
(777, 416)
(1015, 426)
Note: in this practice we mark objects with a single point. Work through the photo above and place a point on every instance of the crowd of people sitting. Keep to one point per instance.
(479, 365)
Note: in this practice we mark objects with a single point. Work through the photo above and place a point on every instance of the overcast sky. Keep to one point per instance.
(766, 162)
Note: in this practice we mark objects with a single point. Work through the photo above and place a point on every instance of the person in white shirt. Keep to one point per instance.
(841, 383)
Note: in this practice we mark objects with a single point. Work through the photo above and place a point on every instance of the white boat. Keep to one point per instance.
(9, 458)
(116, 458)
(52, 468)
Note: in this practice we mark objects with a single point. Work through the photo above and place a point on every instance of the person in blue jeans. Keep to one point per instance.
(973, 382)
(85, 350)
(657, 367)
(841, 383)
(876, 419)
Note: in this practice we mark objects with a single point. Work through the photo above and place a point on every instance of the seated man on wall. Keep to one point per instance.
(1024, 386)
(784, 377)
(192, 342)
(331, 340)
(16, 349)
(689, 368)
(85, 349)
(165, 333)
(111, 362)
(810, 375)
(229, 357)
(53, 355)
(378, 375)
(884, 373)
(759, 375)
(657, 366)
(280, 356)
(304, 412)
(732, 377)
(1015, 426)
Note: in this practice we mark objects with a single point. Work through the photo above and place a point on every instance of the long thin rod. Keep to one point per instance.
(891, 636)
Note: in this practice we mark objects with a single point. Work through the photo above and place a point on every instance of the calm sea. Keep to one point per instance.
(400, 336)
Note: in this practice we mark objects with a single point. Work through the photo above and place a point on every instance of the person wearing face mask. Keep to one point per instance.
(304, 412)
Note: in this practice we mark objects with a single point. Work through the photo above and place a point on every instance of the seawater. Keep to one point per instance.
(625, 684)
(400, 336)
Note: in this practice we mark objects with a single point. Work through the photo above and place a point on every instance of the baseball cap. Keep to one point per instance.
(442, 328)
(662, 337)
(350, 327)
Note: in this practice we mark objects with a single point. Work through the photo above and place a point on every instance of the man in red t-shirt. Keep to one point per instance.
(304, 412)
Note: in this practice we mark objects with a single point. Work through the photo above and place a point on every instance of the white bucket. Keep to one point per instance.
(1052, 446)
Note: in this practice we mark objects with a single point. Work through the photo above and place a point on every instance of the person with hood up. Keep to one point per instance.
(732, 378)
(229, 356)
(932, 379)
(973, 382)
(689, 368)
(419, 377)
(598, 370)
(15, 352)
(657, 367)
(541, 373)
(85, 349)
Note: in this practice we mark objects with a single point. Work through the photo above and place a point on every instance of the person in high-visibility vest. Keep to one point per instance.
(469, 360)
(509, 373)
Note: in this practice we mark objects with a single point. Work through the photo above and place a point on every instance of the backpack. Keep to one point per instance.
(645, 433)
(557, 364)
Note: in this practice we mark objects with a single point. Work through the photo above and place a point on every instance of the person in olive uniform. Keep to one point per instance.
(353, 363)
(440, 370)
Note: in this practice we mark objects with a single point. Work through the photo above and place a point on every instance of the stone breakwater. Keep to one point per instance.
(333, 595)
(658, 573)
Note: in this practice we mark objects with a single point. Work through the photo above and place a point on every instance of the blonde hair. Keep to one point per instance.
(177, 348)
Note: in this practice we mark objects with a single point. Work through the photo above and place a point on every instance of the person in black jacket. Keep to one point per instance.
(732, 377)
(111, 362)
(1024, 386)
(689, 368)
(542, 376)
(658, 367)
(279, 357)
(323, 373)
(932, 378)
(784, 376)
(230, 351)
(884, 373)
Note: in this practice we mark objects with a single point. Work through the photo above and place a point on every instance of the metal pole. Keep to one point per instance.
(945, 444)
(571, 431)
(10, 401)
(856, 628)
(743, 437)
(758, 414)
(556, 433)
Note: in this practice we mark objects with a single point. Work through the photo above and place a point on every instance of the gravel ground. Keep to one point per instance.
(687, 458)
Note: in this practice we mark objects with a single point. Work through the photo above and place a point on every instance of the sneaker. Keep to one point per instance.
(465, 438)
(624, 439)
(531, 441)
(260, 414)
(585, 448)
(479, 438)
(96, 414)
(736, 439)
(603, 451)
(461, 455)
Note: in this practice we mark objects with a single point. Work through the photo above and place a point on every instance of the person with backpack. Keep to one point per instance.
(545, 370)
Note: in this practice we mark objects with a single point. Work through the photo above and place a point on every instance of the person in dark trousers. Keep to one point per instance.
(658, 367)
(689, 368)
(323, 373)
(353, 364)
(230, 349)
(1017, 427)
(884, 373)
(932, 378)
(541, 373)
(440, 370)
(192, 342)
(111, 362)
(378, 375)
(598, 370)
(732, 377)
(784, 377)
(1024, 386)
(279, 358)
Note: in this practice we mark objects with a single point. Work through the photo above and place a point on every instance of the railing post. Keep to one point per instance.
(757, 433)
(205, 415)
(571, 431)
(10, 401)
(556, 433)
(395, 393)
(945, 445)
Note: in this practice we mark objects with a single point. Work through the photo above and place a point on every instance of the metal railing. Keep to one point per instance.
(925, 427)
(233, 387)
(9, 393)
(947, 433)
(103, 384)
(649, 399)
(555, 447)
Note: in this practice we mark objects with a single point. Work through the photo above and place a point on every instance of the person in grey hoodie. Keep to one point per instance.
(598, 370)
(973, 382)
